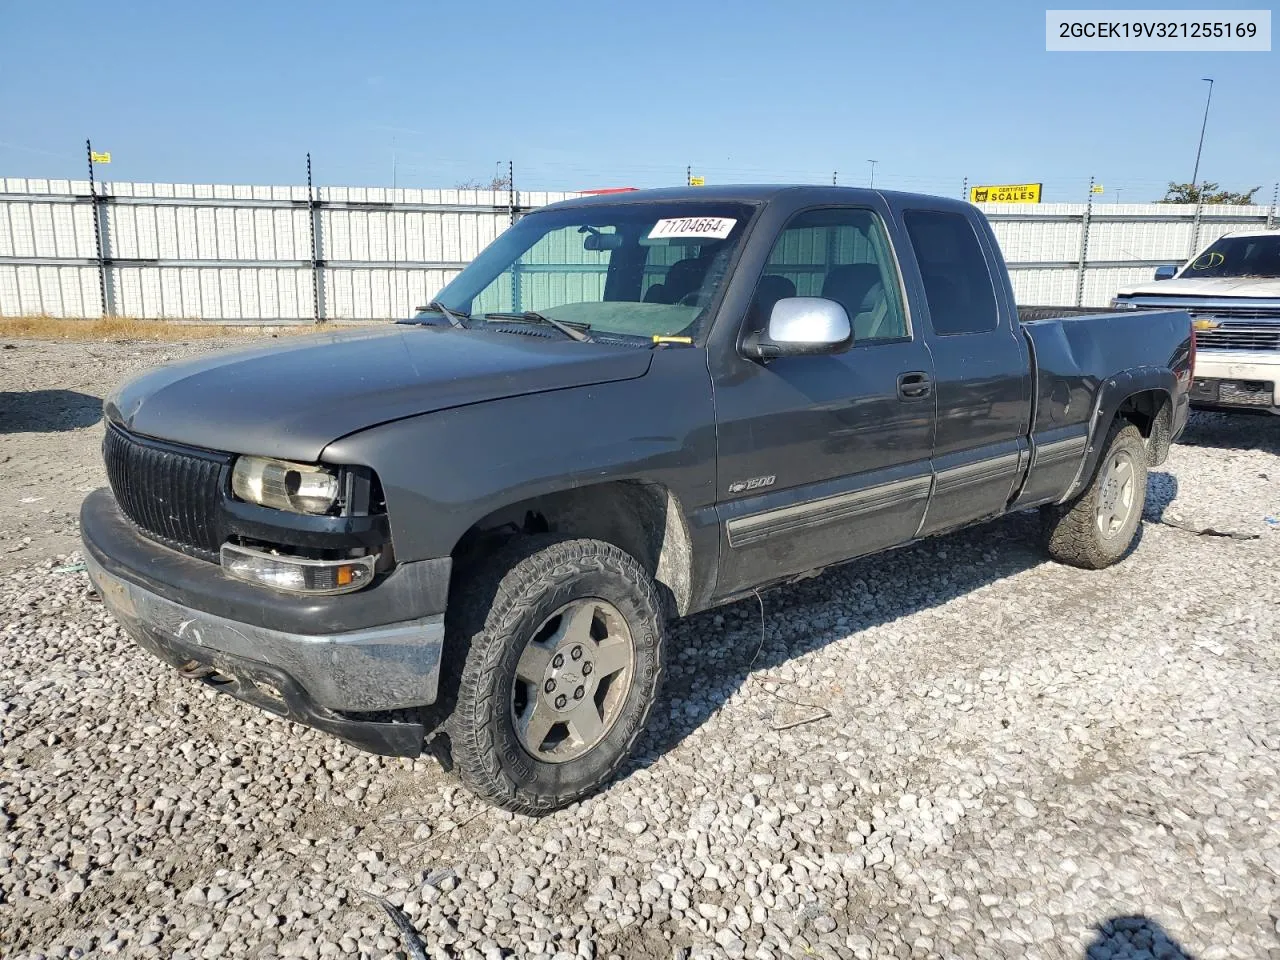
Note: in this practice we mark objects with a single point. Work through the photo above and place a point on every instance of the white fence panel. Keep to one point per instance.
(1125, 243)
(263, 253)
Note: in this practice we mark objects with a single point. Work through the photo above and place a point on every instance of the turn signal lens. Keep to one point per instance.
(297, 574)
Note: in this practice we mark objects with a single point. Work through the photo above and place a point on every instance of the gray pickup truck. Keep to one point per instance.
(466, 533)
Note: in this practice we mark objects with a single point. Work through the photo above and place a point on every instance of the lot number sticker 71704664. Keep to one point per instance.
(707, 228)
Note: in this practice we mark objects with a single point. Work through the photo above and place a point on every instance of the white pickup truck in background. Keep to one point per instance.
(1232, 291)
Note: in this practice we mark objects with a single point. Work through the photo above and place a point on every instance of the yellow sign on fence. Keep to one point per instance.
(697, 181)
(1097, 188)
(1006, 193)
(100, 157)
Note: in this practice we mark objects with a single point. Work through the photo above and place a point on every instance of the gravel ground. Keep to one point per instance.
(50, 414)
(956, 750)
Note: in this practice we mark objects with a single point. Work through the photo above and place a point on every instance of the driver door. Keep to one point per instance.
(824, 458)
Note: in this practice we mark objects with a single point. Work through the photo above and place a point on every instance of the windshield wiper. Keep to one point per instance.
(530, 316)
(455, 318)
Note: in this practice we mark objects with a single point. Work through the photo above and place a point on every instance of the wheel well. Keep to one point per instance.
(643, 518)
(1151, 411)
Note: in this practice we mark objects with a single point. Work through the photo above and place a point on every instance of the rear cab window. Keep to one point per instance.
(957, 277)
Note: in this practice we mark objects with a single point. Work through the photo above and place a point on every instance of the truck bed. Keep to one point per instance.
(1077, 389)
(1026, 313)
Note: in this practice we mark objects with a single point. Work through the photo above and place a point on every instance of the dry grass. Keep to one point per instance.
(130, 328)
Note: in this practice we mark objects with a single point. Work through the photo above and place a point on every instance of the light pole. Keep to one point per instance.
(1207, 100)
(873, 172)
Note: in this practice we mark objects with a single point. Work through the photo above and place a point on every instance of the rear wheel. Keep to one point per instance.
(1097, 528)
(561, 651)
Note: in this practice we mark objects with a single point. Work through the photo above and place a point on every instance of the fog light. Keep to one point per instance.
(297, 574)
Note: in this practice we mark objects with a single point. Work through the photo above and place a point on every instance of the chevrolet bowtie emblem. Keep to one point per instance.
(1206, 324)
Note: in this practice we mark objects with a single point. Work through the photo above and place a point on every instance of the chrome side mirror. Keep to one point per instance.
(1166, 272)
(803, 326)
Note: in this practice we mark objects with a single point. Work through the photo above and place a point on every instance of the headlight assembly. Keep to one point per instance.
(296, 487)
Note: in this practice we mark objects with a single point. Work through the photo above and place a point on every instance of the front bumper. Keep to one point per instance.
(1236, 380)
(313, 678)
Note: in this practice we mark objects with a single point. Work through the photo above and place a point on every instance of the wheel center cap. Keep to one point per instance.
(568, 678)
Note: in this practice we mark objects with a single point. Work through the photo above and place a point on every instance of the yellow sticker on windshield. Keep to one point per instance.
(706, 228)
(1208, 260)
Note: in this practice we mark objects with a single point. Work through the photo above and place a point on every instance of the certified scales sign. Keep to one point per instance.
(1006, 193)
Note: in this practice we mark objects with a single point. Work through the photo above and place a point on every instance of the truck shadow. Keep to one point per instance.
(1137, 937)
(47, 411)
(1162, 490)
(1232, 431)
(714, 653)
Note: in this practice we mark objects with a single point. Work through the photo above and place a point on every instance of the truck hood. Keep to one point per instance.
(1208, 287)
(293, 398)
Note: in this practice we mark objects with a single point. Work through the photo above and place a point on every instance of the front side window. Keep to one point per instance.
(957, 281)
(627, 270)
(842, 255)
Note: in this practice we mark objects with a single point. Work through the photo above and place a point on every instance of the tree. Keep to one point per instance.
(1205, 193)
(500, 181)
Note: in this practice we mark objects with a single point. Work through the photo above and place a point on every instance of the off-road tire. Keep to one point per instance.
(1071, 530)
(494, 610)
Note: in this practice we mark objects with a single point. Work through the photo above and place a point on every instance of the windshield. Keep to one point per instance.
(632, 270)
(1238, 257)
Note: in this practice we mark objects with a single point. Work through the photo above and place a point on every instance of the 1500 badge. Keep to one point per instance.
(755, 483)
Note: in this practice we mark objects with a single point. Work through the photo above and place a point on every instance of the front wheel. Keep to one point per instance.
(1097, 528)
(562, 643)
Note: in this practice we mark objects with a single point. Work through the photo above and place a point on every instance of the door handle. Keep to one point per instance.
(914, 386)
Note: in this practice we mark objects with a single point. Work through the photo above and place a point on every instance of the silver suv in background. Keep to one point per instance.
(1232, 291)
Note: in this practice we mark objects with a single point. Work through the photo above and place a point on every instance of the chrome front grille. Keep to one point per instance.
(1230, 311)
(1239, 337)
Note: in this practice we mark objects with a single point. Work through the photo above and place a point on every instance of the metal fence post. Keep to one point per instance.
(964, 189)
(1084, 247)
(515, 267)
(1271, 211)
(317, 264)
(511, 193)
(1195, 231)
(108, 306)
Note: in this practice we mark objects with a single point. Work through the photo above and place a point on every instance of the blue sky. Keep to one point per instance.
(583, 95)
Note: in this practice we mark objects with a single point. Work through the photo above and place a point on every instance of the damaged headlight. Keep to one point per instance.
(296, 487)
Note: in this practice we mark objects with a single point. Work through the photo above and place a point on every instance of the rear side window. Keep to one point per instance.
(957, 281)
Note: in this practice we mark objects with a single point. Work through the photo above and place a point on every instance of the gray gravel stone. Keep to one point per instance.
(1021, 759)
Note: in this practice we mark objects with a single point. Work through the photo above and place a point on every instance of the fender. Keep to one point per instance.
(1113, 392)
(443, 472)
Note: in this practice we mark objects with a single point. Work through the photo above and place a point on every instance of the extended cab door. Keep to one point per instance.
(822, 458)
(982, 368)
